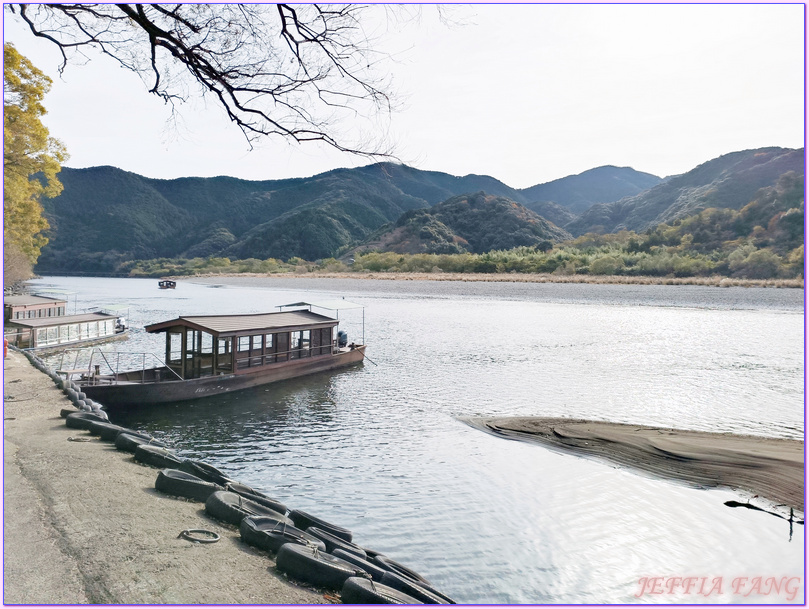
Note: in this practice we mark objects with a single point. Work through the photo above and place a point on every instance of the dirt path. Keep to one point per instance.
(769, 467)
(83, 523)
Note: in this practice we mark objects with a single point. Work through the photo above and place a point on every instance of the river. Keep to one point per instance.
(378, 448)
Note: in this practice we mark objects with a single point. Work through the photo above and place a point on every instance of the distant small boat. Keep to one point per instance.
(213, 354)
(166, 284)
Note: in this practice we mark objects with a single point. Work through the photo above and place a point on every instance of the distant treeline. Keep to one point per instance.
(720, 242)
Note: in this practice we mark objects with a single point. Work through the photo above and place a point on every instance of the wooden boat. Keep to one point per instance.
(24, 306)
(166, 284)
(215, 354)
(60, 331)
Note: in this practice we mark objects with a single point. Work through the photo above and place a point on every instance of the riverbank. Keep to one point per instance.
(723, 282)
(771, 468)
(83, 523)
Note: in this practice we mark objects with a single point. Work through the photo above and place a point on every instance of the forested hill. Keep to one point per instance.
(475, 223)
(729, 181)
(600, 185)
(106, 216)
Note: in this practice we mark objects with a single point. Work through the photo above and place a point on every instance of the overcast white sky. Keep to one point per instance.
(524, 93)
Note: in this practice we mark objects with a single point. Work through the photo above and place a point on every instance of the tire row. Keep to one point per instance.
(307, 549)
(71, 389)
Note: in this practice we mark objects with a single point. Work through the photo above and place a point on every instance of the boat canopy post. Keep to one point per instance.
(330, 305)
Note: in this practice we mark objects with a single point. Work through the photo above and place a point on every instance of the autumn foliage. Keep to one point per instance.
(31, 158)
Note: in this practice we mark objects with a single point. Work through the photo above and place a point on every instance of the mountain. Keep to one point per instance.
(553, 212)
(435, 186)
(730, 181)
(579, 192)
(474, 223)
(106, 216)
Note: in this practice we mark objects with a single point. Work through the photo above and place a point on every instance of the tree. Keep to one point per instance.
(280, 69)
(31, 158)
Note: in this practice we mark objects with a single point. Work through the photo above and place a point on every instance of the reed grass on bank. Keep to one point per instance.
(715, 281)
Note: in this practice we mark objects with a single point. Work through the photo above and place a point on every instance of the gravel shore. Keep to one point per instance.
(83, 523)
(771, 468)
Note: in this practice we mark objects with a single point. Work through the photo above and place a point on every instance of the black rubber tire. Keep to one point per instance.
(332, 542)
(204, 471)
(81, 420)
(411, 588)
(107, 431)
(270, 534)
(156, 456)
(360, 591)
(372, 553)
(303, 521)
(129, 442)
(314, 567)
(180, 484)
(231, 508)
(253, 495)
(395, 567)
(373, 570)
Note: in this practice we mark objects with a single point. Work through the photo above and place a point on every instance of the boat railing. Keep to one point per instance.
(246, 359)
(111, 367)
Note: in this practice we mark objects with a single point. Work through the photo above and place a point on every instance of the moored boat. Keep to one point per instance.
(214, 354)
(62, 331)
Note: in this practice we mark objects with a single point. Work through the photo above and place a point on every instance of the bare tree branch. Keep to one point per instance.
(276, 70)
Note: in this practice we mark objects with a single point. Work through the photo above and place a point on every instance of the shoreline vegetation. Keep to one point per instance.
(770, 468)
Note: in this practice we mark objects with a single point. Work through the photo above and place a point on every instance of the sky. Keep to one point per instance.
(524, 93)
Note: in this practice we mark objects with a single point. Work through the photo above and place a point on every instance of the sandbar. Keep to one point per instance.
(772, 468)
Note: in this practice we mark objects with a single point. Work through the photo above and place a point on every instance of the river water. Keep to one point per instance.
(378, 448)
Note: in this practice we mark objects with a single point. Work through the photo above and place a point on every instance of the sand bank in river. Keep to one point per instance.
(83, 522)
(771, 468)
(716, 281)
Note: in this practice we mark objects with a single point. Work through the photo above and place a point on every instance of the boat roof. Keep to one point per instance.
(25, 300)
(225, 325)
(332, 305)
(60, 320)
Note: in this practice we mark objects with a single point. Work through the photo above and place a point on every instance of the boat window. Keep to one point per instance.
(175, 346)
(257, 341)
(244, 343)
(224, 346)
(207, 343)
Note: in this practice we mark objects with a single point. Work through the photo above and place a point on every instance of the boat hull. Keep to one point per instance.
(128, 395)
